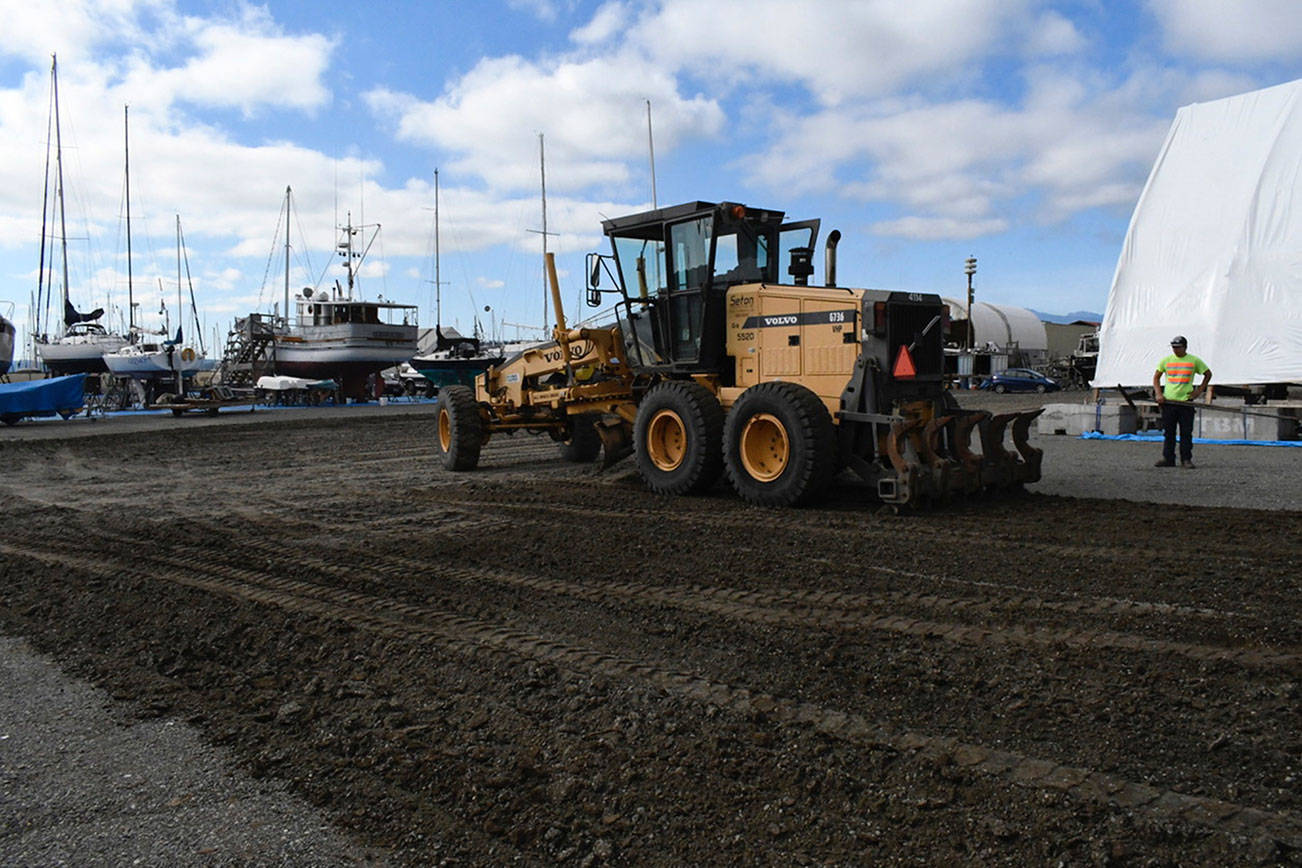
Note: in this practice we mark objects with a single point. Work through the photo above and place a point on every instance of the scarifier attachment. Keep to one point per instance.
(928, 468)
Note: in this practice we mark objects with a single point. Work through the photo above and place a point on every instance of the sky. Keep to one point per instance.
(1019, 132)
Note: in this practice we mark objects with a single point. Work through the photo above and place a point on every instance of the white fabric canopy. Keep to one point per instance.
(1214, 249)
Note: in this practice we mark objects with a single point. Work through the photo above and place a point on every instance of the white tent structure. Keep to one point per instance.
(1004, 326)
(1214, 249)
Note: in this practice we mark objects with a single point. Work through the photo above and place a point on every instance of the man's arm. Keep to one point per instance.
(1202, 387)
(1157, 386)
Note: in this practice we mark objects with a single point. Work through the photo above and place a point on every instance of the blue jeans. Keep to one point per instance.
(1183, 417)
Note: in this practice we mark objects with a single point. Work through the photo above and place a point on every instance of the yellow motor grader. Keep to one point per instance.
(715, 365)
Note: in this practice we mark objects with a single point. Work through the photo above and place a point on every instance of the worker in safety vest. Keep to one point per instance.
(1180, 368)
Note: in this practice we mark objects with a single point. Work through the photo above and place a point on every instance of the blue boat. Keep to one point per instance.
(57, 396)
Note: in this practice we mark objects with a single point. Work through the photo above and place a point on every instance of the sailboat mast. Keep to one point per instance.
(63, 225)
(180, 302)
(438, 282)
(131, 304)
(288, 193)
(35, 310)
(542, 169)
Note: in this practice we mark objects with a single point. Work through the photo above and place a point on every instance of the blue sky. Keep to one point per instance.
(1017, 131)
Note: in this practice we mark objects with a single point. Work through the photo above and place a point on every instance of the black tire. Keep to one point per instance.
(779, 445)
(677, 438)
(584, 443)
(459, 432)
(1000, 388)
(1041, 388)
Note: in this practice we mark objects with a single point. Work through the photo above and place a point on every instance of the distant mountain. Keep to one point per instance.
(1087, 315)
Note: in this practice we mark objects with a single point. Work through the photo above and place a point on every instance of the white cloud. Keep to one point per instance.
(591, 112)
(1243, 30)
(609, 20)
(1054, 34)
(939, 228)
(970, 167)
(837, 50)
(247, 65)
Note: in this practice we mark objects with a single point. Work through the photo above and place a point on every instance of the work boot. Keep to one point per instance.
(1164, 463)
(1187, 465)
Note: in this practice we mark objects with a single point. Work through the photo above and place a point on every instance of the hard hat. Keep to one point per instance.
(1179, 341)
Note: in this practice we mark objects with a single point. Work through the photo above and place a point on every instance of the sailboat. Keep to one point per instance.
(81, 341)
(337, 336)
(166, 358)
(455, 358)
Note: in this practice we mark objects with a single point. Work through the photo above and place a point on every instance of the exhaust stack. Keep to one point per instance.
(829, 258)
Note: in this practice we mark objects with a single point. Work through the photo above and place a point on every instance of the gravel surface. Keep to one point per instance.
(541, 662)
(81, 786)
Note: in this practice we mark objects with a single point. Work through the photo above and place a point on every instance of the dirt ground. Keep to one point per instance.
(542, 662)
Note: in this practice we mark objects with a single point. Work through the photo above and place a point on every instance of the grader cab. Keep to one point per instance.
(715, 364)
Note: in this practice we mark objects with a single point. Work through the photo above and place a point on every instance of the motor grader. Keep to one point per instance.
(714, 364)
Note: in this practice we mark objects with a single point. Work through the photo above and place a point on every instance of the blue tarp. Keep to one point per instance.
(1157, 438)
(62, 395)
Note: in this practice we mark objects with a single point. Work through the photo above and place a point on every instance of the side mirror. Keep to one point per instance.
(594, 271)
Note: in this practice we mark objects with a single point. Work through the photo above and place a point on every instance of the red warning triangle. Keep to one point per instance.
(904, 367)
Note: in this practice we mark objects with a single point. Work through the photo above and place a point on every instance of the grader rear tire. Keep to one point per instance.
(677, 437)
(460, 429)
(584, 443)
(779, 445)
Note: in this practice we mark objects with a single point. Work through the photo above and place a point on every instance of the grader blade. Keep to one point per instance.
(616, 441)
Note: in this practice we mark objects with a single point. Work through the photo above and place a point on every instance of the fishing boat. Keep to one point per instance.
(79, 344)
(334, 334)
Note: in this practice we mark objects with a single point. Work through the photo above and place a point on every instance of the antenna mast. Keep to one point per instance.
(651, 147)
(542, 170)
(438, 280)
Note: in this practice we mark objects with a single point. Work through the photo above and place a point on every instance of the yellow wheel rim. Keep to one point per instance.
(666, 440)
(765, 450)
(445, 429)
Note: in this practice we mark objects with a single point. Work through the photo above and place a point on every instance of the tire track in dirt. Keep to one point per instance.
(1026, 596)
(828, 611)
(469, 636)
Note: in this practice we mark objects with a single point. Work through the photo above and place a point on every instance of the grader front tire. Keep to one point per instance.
(779, 445)
(677, 438)
(460, 429)
(584, 443)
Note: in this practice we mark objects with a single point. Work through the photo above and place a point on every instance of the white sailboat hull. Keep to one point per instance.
(128, 362)
(78, 354)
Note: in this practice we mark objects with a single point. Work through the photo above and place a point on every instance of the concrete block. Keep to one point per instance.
(1075, 419)
(1263, 424)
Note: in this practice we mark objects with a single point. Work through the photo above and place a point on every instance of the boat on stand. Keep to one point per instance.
(163, 365)
(337, 335)
(79, 343)
(455, 359)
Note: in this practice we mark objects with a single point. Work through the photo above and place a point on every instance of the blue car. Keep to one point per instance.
(1020, 380)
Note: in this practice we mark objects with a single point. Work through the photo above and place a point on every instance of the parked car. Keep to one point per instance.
(1020, 380)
